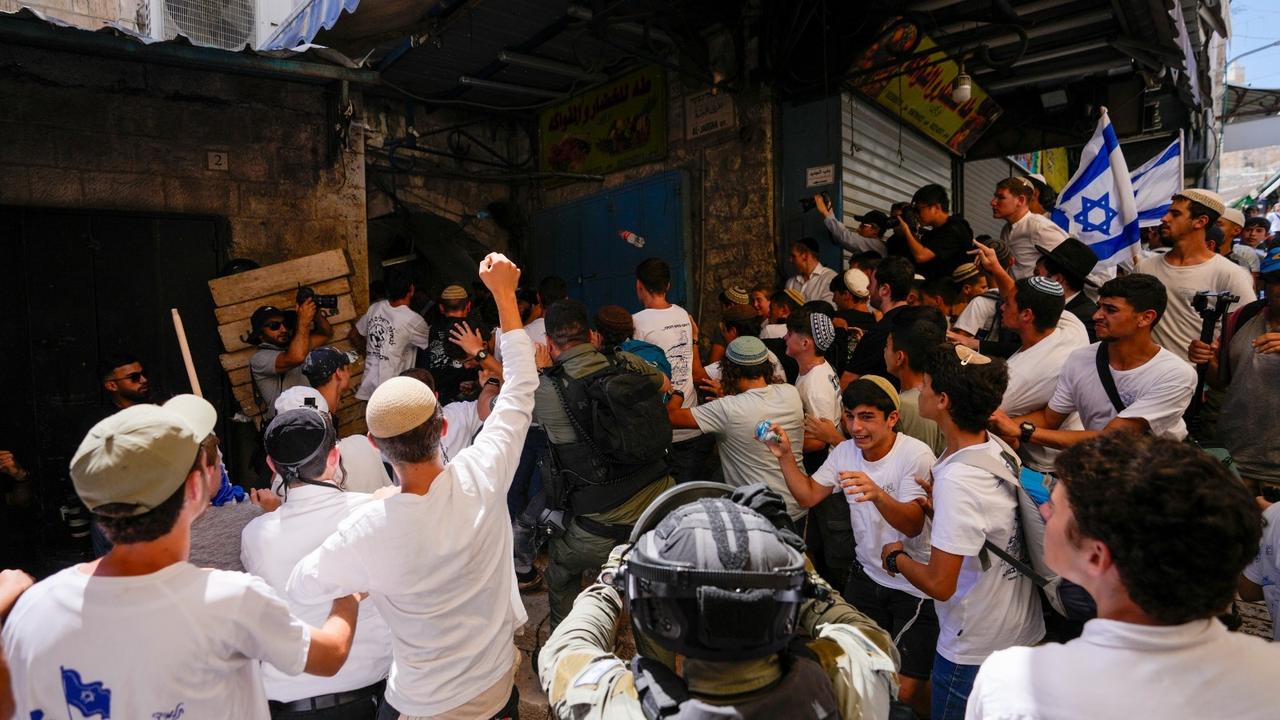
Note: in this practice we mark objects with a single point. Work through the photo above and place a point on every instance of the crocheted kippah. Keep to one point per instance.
(747, 350)
(1046, 286)
(398, 406)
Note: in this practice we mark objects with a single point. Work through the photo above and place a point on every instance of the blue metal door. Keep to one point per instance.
(581, 241)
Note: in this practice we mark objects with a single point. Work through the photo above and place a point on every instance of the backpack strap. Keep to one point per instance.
(1005, 469)
(1103, 363)
(1233, 322)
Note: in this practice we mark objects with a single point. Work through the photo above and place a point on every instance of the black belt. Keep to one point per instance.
(324, 702)
(621, 533)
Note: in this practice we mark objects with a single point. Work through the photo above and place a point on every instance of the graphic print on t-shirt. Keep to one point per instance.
(381, 334)
(90, 698)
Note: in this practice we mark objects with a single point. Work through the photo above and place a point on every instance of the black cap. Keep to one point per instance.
(322, 362)
(262, 314)
(874, 217)
(1074, 257)
(295, 437)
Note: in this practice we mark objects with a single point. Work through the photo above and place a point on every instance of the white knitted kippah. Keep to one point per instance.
(398, 406)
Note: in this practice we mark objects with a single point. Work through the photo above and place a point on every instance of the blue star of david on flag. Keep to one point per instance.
(1087, 205)
(89, 698)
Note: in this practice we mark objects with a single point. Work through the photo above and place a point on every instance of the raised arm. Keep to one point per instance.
(804, 489)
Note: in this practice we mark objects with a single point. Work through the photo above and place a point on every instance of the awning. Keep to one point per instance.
(306, 21)
(1244, 103)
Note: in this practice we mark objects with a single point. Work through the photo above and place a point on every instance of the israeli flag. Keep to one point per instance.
(1155, 183)
(1098, 207)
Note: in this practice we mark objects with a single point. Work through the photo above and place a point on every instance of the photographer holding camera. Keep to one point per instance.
(937, 251)
(283, 340)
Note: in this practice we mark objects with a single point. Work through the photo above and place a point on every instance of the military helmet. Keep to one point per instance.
(712, 579)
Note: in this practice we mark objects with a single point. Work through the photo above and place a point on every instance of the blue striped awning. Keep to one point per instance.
(302, 26)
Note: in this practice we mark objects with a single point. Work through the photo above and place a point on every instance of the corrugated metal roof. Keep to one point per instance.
(313, 63)
(309, 18)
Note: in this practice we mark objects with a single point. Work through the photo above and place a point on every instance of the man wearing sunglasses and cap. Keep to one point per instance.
(283, 340)
(869, 237)
(141, 632)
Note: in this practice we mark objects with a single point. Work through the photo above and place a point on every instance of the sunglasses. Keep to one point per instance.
(132, 377)
(274, 325)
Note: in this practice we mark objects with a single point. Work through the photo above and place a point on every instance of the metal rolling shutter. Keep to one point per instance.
(875, 175)
(980, 178)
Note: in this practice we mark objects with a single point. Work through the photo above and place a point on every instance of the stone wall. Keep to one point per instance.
(733, 181)
(92, 133)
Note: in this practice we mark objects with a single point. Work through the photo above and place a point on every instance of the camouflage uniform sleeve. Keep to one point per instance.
(582, 677)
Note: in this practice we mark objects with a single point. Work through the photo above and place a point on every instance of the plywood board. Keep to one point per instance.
(284, 300)
(282, 277)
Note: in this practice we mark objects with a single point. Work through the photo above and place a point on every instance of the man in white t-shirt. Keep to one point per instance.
(751, 396)
(390, 333)
(671, 328)
(1190, 267)
(1024, 230)
(742, 321)
(1157, 532)
(1034, 312)
(984, 604)
(876, 473)
(812, 278)
(140, 632)
(436, 557)
(301, 445)
(1153, 386)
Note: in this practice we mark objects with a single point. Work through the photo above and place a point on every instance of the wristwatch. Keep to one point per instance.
(891, 561)
(1027, 430)
(482, 355)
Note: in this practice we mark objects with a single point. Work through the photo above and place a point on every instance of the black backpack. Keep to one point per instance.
(618, 413)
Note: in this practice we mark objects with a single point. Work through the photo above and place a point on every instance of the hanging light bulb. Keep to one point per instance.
(962, 88)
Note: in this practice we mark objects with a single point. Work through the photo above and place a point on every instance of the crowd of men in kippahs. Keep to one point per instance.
(959, 477)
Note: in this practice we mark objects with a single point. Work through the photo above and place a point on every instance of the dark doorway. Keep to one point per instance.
(78, 286)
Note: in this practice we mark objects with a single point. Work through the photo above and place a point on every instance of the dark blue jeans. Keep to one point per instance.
(527, 482)
(952, 684)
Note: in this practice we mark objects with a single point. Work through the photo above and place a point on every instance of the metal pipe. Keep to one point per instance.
(1074, 22)
(1050, 55)
(1060, 74)
(579, 12)
(508, 87)
(38, 34)
(554, 67)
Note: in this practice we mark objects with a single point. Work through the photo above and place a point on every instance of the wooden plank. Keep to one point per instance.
(232, 361)
(281, 277)
(232, 334)
(284, 300)
(239, 376)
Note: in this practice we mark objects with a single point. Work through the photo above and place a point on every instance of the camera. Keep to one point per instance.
(551, 523)
(808, 203)
(324, 302)
(908, 214)
(1222, 299)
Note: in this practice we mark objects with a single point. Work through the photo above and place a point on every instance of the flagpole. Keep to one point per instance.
(1182, 157)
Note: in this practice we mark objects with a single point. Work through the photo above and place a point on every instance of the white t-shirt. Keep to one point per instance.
(978, 314)
(391, 336)
(1033, 376)
(820, 392)
(671, 329)
(1180, 323)
(733, 419)
(772, 331)
(1123, 670)
(1265, 569)
(537, 330)
(438, 566)
(713, 370)
(1273, 217)
(816, 285)
(990, 610)
(271, 545)
(896, 474)
(464, 423)
(1024, 236)
(362, 463)
(1157, 391)
(179, 641)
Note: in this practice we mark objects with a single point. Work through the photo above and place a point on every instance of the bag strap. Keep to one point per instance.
(1233, 322)
(1006, 471)
(585, 436)
(1108, 380)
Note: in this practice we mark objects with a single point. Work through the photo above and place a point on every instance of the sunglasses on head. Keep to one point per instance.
(133, 376)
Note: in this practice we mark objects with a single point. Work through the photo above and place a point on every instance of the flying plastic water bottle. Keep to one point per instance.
(631, 238)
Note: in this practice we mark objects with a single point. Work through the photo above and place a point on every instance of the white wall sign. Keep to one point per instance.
(705, 113)
(819, 175)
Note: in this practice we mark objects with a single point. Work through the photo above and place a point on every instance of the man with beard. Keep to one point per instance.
(124, 379)
(282, 347)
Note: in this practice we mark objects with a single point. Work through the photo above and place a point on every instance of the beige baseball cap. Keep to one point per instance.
(142, 454)
(398, 406)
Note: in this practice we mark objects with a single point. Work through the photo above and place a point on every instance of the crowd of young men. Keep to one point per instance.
(982, 445)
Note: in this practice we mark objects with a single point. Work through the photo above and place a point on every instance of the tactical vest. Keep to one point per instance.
(804, 692)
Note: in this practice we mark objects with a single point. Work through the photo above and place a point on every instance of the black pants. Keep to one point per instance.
(694, 459)
(362, 709)
(510, 711)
